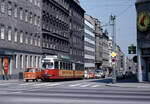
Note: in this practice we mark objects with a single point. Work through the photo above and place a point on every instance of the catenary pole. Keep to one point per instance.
(113, 18)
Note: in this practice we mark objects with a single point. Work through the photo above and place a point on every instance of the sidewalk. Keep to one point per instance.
(10, 81)
(130, 83)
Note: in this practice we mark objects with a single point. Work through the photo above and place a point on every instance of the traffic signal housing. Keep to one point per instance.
(132, 49)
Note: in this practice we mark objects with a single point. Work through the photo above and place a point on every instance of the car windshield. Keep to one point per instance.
(47, 65)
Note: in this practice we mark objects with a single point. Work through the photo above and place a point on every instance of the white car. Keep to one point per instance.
(99, 74)
(86, 75)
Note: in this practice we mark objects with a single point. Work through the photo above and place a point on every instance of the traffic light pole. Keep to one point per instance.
(113, 18)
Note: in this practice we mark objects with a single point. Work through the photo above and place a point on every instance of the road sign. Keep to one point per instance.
(113, 59)
(113, 54)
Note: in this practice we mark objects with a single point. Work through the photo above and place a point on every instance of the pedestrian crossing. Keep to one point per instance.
(49, 84)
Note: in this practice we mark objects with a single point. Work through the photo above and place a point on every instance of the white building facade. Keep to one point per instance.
(89, 44)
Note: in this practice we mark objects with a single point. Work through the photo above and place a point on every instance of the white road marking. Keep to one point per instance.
(85, 85)
(41, 84)
(96, 86)
(55, 84)
(75, 85)
(24, 84)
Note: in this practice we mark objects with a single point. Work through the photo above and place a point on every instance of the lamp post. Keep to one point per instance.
(113, 18)
(112, 23)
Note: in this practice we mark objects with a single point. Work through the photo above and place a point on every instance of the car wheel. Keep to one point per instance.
(27, 80)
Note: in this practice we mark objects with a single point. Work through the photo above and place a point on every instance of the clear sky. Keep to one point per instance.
(125, 18)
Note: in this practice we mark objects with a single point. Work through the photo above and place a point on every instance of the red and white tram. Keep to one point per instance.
(54, 67)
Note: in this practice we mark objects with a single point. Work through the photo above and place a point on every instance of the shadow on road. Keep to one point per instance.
(109, 80)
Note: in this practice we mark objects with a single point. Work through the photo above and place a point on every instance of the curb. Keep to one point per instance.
(110, 85)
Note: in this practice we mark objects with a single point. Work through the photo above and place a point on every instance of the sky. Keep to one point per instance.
(125, 18)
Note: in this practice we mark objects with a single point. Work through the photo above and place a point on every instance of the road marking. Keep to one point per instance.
(85, 85)
(75, 85)
(96, 86)
(24, 84)
(41, 84)
(55, 84)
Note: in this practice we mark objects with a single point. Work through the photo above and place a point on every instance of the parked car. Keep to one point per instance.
(99, 74)
(119, 75)
(91, 75)
(32, 73)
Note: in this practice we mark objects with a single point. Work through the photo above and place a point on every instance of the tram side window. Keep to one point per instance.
(61, 67)
(64, 65)
(67, 66)
(56, 65)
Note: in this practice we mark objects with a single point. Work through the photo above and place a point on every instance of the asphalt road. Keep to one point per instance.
(71, 92)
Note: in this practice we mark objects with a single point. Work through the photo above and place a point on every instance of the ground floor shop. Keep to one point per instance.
(144, 68)
(14, 63)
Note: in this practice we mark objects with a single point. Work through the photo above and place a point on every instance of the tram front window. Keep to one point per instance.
(48, 65)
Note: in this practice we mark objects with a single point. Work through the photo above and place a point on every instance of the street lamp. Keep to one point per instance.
(112, 23)
(113, 18)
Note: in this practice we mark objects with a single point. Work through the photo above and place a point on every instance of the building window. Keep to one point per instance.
(31, 1)
(31, 18)
(31, 40)
(35, 20)
(21, 37)
(35, 2)
(15, 11)
(9, 33)
(9, 8)
(2, 32)
(21, 14)
(31, 61)
(2, 4)
(15, 35)
(35, 61)
(21, 61)
(26, 16)
(26, 61)
(38, 3)
(26, 39)
(38, 22)
(16, 61)
(39, 41)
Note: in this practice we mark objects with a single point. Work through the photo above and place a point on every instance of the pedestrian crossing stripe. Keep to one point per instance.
(75, 85)
(85, 85)
(96, 86)
(82, 85)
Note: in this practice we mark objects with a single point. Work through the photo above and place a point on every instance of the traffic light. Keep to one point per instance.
(135, 59)
(132, 49)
